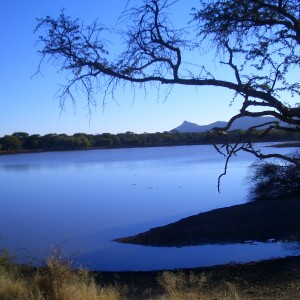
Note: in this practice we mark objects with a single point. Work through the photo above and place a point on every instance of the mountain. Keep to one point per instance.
(242, 123)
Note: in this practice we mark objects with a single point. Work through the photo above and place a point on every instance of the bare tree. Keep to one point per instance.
(258, 40)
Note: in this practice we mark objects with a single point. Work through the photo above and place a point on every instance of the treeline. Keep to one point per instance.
(22, 141)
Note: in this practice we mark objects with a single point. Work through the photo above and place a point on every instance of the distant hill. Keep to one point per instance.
(242, 123)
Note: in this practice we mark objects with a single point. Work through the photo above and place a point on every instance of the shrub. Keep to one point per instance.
(58, 281)
(272, 181)
(55, 281)
(188, 285)
(5, 257)
(182, 286)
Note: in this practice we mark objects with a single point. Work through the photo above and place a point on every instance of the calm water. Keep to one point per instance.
(82, 200)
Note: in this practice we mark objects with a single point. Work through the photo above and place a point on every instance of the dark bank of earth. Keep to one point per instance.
(270, 279)
(255, 221)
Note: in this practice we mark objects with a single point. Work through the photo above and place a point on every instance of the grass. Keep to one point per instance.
(56, 280)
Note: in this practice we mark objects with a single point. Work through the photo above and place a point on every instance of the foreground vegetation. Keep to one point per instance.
(56, 280)
(270, 181)
(274, 279)
(22, 141)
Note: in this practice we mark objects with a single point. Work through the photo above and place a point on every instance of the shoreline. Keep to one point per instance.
(276, 220)
(93, 148)
(257, 280)
(282, 144)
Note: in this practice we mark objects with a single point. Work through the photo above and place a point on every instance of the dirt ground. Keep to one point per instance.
(271, 279)
(255, 221)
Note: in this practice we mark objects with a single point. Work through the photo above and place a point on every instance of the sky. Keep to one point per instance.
(28, 101)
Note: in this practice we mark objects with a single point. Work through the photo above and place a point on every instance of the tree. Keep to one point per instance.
(269, 181)
(11, 143)
(81, 141)
(32, 142)
(22, 136)
(258, 41)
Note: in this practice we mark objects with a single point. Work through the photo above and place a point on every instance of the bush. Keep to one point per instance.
(5, 257)
(182, 286)
(56, 281)
(272, 181)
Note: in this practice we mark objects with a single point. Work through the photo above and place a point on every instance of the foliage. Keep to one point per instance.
(78, 141)
(181, 285)
(56, 281)
(10, 143)
(188, 285)
(271, 181)
(5, 257)
(257, 42)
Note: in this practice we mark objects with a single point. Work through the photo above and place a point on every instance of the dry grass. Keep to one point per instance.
(178, 285)
(56, 280)
(71, 288)
(195, 286)
(191, 286)
(13, 286)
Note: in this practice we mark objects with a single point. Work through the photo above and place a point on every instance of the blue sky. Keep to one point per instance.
(29, 104)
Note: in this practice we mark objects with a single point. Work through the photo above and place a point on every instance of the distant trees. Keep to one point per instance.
(50, 142)
(32, 142)
(10, 143)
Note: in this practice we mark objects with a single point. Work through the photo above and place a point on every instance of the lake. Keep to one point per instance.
(81, 200)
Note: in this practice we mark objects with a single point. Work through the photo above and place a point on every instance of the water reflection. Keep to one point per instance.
(19, 167)
(292, 247)
(132, 257)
